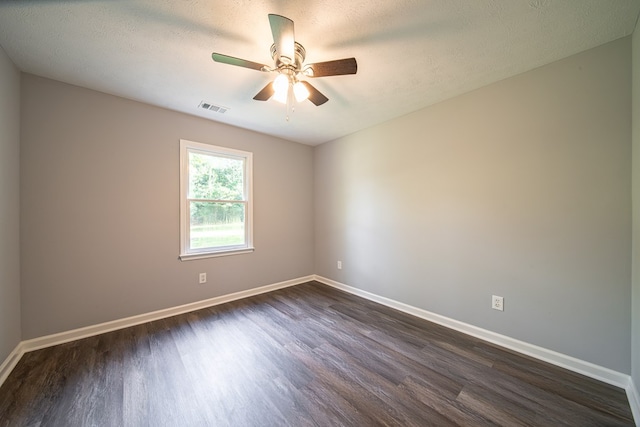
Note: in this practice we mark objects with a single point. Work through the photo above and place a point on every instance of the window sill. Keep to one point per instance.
(189, 257)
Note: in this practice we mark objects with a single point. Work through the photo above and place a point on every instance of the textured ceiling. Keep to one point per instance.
(410, 53)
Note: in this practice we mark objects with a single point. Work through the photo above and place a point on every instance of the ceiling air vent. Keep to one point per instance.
(212, 107)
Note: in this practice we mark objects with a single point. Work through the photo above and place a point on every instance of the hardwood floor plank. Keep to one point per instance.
(135, 392)
(455, 412)
(308, 355)
(394, 399)
(506, 414)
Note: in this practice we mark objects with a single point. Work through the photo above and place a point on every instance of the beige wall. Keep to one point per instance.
(9, 206)
(99, 187)
(635, 333)
(519, 189)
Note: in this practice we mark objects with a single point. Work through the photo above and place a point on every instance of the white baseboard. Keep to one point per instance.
(88, 331)
(568, 362)
(10, 362)
(634, 400)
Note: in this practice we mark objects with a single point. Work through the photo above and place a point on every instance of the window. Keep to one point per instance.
(215, 201)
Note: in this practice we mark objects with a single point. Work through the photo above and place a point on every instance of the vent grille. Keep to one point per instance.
(212, 107)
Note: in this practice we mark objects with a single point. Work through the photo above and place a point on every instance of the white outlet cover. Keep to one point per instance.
(497, 302)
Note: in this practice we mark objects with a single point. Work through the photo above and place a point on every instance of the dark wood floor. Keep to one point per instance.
(308, 355)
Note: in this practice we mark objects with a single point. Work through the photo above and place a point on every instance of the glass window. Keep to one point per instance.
(215, 200)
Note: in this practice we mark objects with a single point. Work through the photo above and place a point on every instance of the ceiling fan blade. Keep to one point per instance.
(226, 59)
(338, 67)
(283, 38)
(266, 93)
(314, 94)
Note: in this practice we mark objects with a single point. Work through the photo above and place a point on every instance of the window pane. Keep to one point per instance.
(216, 224)
(217, 178)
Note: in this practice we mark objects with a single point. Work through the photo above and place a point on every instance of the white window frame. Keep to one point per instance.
(186, 253)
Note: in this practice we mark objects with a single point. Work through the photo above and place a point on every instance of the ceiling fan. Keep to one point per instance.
(289, 58)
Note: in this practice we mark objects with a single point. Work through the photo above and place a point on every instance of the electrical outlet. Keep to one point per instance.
(339, 265)
(203, 278)
(497, 303)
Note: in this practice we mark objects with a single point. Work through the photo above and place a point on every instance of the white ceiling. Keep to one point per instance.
(410, 53)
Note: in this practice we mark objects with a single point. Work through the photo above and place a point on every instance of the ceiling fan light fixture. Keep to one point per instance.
(281, 97)
(281, 88)
(300, 91)
(281, 83)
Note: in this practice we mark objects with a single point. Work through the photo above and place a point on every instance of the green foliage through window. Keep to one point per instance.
(217, 179)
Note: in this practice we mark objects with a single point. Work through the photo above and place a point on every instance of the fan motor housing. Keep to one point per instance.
(299, 52)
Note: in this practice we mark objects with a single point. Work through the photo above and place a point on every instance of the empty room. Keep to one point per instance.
(319, 213)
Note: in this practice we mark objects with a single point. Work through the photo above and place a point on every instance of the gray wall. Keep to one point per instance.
(519, 189)
(99, 189)
(635, 332)
(9, 206)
